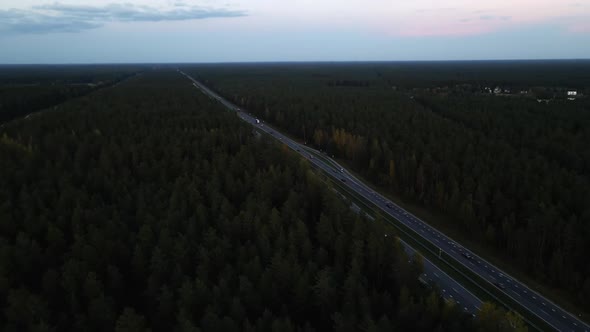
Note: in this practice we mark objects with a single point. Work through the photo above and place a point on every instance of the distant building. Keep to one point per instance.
(572, 94)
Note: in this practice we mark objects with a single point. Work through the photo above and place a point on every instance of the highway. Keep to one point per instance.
(546, 310)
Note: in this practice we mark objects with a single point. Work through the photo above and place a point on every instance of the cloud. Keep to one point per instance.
(435, 10)
(494, 17)
(58, 17)
(422, 18)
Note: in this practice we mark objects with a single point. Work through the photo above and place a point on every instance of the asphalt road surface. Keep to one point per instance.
(546, 310)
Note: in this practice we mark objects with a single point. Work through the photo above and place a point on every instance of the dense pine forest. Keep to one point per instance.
(26, 89)
(147, 206)
(510, 169)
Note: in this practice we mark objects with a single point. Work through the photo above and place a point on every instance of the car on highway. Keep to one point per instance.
(467, 255)
(257, 121)
(499, 285)
(389, 205)
(343, 179)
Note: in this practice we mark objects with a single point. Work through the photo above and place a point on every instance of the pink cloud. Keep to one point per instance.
(580, 28)
(461, 17)
(457, 28)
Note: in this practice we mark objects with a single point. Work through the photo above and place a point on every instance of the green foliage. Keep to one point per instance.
(494, 319)
(26, 89)
(507, 171)
(147, 207)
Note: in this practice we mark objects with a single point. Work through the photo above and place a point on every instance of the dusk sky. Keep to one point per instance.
(90, 31)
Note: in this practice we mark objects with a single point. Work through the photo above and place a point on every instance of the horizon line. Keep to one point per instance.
(289, 61)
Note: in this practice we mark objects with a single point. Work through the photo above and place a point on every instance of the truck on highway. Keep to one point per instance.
(257, 121)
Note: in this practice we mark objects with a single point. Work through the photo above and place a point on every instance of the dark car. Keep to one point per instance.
(467, 255)
(499, 285)
(389, 205)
